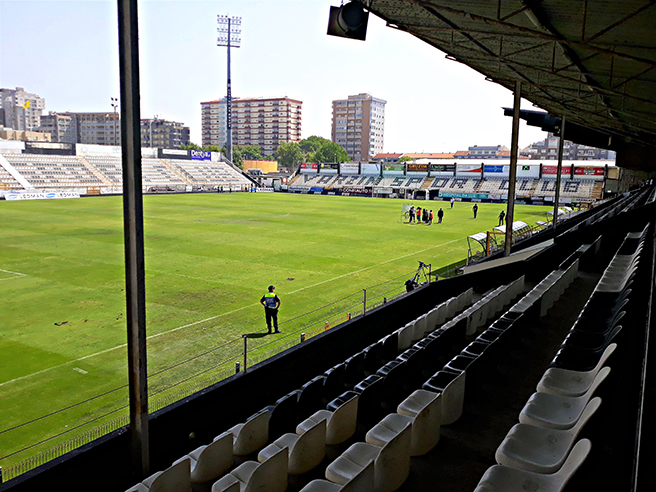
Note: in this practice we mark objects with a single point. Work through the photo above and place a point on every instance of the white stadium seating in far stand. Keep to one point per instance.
(439, 183)
(313, 180)
(355, 182)
(570, 188)
(7, 181)
(209, 173)
(459, 185)
(499, 186)
(53, 171)
(406, 182)
(109, 166)
(154, 172)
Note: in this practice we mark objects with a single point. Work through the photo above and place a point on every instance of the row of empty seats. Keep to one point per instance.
(540, 449)
(53, 171)
(404, 182)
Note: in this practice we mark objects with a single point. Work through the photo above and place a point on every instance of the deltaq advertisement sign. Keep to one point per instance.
(201, 155)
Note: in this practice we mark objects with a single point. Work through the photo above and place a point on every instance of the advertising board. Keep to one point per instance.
(418, 168)
(552, 171)
(589, 172)
(349, 168)
(50, 148)
(371, 169)
(476, 196)
(309, 167)
(174, 154)
(200, 155)
(383, 191)
(42, 196)
(355, 191)
(328, 168)
(441, 169)
(393, 169)
(469, 169)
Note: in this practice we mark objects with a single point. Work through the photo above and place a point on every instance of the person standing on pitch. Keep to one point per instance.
(453, 200)
(440, 215)
(412, 213)
(502, 216)
(271, 303)
(475, 209)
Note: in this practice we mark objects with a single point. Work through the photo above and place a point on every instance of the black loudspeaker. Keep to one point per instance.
(348, 21)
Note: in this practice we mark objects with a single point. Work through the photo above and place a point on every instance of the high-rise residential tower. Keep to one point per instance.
(266, 122)
(358, 125)
(20, 110)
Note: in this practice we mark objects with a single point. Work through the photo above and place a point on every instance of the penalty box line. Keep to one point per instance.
(223, 314)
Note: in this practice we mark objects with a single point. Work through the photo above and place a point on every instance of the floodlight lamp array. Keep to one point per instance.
(229, 30)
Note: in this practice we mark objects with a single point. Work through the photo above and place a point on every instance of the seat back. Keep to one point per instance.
(283, 417)
(342, 423)
(309, 450)
(214, 460)
(309, 399)
(253, 435)
(354, 369)
(362, 482)
(333, 383)
(270, 475)
(176, 478)
(392, 466)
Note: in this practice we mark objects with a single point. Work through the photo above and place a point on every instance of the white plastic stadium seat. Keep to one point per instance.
(391, 462)
(566, 382)
(557, 411)
(340, 424)
(362, 482)
(425, 409)
(270, 476)
(305, 451)
(176, 478)
(211, 461)
(249, 436)
(540, 450)
(504, 479)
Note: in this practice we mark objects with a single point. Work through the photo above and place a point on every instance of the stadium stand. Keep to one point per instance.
(498, 186)
(569, 188)
(313, 180)
(155, 173)
(457, 185)
(109, 166)
(208, 173)
(53, 171)
(7, 181)
(358, 181)
(405, 182)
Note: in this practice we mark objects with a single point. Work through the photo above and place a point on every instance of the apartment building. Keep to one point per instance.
(266, 122)
(547, 149)
(358, 125)
(20, 110)
(86, 128)
(163, 134)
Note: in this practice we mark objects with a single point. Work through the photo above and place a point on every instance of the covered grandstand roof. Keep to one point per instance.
(592, 61)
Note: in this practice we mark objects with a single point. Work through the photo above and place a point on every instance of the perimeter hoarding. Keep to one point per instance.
(328, 168)
(349, 168)
(442, 169)
(42, 196)
(589, 172)
(473, 196)
(200, 155)
(466, 170)
(371, 169)
(309, 167)
(174, 154)
(393, 169)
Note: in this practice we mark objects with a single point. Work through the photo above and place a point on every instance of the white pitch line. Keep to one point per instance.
(16, 275)
(219, 315)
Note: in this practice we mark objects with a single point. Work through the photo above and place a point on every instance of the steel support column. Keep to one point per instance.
(561, 144)
(128, 42)
(510, 212)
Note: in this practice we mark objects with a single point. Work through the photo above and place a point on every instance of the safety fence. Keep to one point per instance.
(189, 376)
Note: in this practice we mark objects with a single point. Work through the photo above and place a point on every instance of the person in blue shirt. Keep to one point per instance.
(271, 303)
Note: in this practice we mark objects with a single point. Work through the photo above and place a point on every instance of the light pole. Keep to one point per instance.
(114, 105)
(229, 36)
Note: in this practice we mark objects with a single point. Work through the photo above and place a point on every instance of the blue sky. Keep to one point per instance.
(67, 52)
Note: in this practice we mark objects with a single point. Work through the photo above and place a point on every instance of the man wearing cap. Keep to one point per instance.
(271, 303)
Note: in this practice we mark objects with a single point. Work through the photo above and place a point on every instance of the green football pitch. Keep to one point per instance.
(208, 259)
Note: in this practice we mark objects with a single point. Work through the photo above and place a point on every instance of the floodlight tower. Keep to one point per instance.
(230, 36)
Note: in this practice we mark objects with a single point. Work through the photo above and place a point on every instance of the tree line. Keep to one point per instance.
(288, 154)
